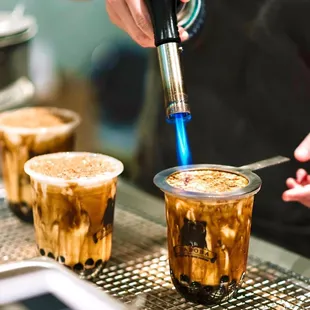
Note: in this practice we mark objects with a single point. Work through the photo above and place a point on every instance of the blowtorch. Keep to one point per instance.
(167, 41)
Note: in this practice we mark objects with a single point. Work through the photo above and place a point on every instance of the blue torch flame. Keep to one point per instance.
(184, 156)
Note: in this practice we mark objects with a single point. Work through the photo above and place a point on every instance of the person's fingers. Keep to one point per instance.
(120, 8)
(115, 19)
(133, 17)
(141, 17)
(302, 153)
(301, 175)
(185, 1)
(291, 183)
(300, 194)
(295, 194)
(183, 34)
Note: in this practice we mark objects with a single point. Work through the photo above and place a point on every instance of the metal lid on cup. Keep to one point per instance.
(15, 27)
(253, 186)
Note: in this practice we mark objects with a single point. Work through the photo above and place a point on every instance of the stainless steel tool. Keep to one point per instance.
(277, 160)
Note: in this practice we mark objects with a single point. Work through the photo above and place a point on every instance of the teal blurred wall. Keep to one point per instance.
(69, 33)
(73, 29)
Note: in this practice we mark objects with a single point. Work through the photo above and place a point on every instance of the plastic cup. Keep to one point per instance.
(18, 144)
(208, 235)
(73, 217)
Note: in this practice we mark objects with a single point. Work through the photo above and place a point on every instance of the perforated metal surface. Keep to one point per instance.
(139, 268)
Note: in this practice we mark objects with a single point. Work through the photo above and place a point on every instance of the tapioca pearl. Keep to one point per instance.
(42, 252)
(224, 279)
(195, 284)
(51, 255)
(208, 289)
(78, 267)
(24, 204)
(98, 263)
(184, 278)
(25, 209)
(61, 259)
(90, 262)
(195, 287)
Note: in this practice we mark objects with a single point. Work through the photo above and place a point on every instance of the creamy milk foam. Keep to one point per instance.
(34, 117)
(74, 166)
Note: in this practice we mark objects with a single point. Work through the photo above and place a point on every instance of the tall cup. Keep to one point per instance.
(25, 133)
(208, 213)
(73, 208)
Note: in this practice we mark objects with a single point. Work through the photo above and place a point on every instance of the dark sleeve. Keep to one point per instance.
(297, 20)
(290, 18)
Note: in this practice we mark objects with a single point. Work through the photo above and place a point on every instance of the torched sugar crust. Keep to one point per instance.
(34, 117)
(73, 167)
(207, 181)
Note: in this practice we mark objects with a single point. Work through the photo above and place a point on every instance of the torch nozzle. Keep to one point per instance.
(173, 83)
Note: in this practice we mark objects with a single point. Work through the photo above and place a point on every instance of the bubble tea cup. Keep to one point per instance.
(73, 207)
(25, 133)
(208, 214)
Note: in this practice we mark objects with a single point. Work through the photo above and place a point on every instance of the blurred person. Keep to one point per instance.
(248, 79)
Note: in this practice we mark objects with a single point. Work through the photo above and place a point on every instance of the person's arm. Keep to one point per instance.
(132, 16)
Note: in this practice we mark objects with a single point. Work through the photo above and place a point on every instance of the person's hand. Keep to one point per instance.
(299, 188)
(133, 17)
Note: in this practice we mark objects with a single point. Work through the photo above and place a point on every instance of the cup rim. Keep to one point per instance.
(252, 188)
(71, 125)
(84, 181)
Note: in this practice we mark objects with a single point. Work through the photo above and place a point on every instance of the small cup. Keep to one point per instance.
(18, 144)
(73, 216)
(208, 233)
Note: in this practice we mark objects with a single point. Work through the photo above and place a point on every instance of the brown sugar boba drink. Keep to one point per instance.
(73, 207)
(208, 213)
(25, 133)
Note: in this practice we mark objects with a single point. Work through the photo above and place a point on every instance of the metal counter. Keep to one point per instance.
(138, 266)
